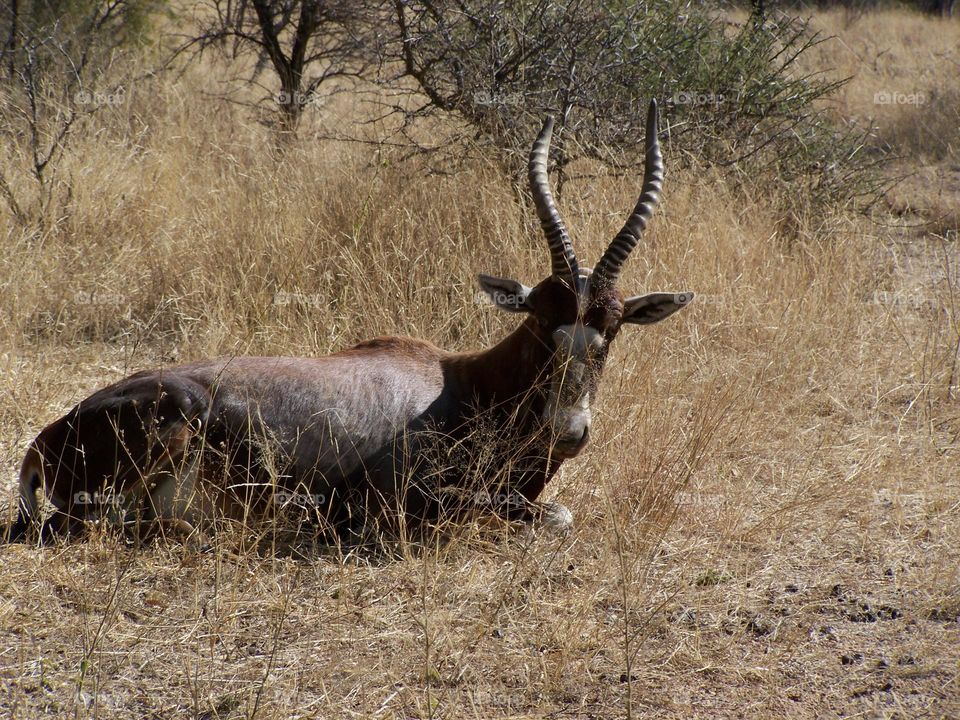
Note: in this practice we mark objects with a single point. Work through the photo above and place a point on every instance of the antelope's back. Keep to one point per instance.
(329, 418)
(321, 425)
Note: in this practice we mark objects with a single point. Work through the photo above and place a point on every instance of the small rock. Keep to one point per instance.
(824, 631)
(888, 612)
(862, 616)
(838, 591)
(939, 614)
(758, 625)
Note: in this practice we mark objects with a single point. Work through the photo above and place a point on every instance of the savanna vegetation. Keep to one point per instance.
(768, 514)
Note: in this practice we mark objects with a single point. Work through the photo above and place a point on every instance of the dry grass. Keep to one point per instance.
(768, 515)
(905, 67)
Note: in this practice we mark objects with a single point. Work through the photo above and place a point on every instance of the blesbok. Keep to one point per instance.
(391, 430)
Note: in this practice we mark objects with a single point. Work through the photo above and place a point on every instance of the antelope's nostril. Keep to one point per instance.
(583, 438)
(571, 443)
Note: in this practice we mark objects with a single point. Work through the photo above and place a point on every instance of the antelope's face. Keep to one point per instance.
(579, 312)
(577, 325)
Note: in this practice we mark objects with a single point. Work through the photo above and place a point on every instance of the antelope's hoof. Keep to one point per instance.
(554, 518)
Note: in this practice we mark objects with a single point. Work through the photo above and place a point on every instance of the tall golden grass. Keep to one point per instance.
(767, 513)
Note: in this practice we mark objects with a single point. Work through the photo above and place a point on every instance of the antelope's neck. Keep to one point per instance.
(505, 372)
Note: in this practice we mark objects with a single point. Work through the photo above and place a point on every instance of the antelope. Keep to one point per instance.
(384, 432)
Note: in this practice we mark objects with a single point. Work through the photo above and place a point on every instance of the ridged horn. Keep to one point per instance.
(563, 260)
(609, 266)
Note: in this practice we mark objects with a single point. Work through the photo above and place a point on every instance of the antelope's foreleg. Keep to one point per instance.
(514, 508)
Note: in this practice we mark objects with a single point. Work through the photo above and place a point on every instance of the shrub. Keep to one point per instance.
(54, 61)
(734, 94)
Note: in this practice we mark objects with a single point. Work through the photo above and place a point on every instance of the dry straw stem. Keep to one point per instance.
(767, 516)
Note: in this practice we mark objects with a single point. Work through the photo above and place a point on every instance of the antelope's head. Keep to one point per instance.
(577, 311)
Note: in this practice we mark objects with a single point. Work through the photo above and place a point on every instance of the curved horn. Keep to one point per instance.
(608, 268)
(562, 258)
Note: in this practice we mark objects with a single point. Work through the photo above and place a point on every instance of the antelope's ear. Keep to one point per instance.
(507, 294)
(648, 309)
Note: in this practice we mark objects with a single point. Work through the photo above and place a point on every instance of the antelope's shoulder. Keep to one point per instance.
(395, 345)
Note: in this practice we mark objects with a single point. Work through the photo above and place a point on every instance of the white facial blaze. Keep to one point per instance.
(568, 405)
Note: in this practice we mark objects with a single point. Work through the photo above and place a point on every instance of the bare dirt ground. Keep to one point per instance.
(768, 517)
